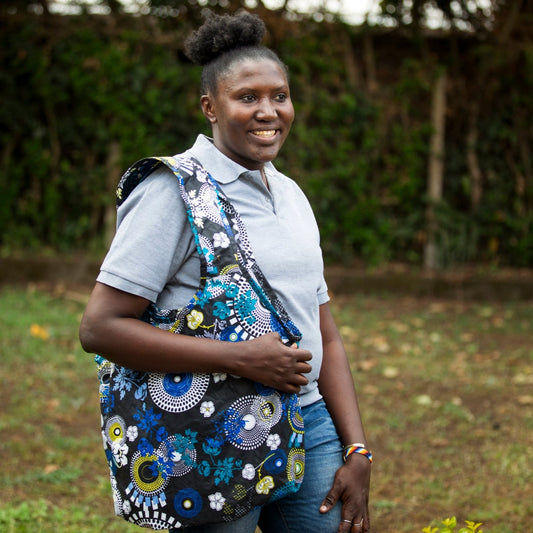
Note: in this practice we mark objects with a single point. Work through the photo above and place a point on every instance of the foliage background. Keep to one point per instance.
(85, 96)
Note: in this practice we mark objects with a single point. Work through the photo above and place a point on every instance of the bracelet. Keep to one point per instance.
(356, 447)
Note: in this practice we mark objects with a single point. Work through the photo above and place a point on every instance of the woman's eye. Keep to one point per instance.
(247, 98)
(281, 97)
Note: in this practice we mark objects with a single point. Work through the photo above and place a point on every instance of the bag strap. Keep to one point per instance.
(193, 179)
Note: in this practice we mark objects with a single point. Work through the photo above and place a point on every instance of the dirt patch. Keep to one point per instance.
(467, 283)
(460, 284)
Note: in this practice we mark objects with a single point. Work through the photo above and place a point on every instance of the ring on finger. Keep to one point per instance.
(359, 524)
(348, 522)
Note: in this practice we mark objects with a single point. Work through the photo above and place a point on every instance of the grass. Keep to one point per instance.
(445, 389)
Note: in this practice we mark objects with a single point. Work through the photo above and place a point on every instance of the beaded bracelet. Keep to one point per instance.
(356, 447)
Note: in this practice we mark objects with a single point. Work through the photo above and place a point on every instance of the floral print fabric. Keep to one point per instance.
(193, 448)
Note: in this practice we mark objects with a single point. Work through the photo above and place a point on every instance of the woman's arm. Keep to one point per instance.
(111, 327)
(352, 481)
(336, 383)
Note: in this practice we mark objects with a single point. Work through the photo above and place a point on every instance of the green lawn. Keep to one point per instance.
(446, 391)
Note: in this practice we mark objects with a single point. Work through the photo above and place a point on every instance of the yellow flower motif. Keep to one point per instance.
(264, 485)
(194, 319)
(39, 332)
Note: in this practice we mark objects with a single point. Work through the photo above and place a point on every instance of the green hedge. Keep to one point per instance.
(78, 92)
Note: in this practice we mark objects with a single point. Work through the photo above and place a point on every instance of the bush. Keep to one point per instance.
(450, 525)
(74, 87)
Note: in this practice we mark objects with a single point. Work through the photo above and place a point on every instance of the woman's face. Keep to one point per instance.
(251, 113)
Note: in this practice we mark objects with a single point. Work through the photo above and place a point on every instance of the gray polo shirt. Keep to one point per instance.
(153, 254)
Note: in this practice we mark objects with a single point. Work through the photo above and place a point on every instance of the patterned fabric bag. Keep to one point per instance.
(193, 448)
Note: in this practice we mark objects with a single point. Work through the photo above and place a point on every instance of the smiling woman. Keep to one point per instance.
(204, 415)
(246, 96)
(251, 112)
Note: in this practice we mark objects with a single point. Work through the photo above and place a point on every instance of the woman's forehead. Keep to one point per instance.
(255, 70)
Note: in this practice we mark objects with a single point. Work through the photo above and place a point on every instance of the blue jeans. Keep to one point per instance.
(298, 512)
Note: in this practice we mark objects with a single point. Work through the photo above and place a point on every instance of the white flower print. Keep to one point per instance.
(199, 222)
(175, 457)
(207, 409)
(126, 507)
(220, 240)
(216, 501)
(248, 472)
(132, 433)
(120, 449)
(219, 377)
(273, 441)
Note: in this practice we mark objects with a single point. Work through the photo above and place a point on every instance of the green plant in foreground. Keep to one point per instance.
(451, 523)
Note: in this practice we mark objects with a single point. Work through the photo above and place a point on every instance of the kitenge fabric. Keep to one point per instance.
(192, 448)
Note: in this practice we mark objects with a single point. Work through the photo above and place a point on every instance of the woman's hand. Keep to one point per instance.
(268, 361)
(352, 480)
(351, 488)
(111, 328)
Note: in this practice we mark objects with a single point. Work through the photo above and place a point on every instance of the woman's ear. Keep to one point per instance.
(208, 109)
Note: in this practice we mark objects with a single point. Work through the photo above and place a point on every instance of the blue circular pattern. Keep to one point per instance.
(188, 503)
(177, 384)
(231, 334)
(276, 462)
(176, 393)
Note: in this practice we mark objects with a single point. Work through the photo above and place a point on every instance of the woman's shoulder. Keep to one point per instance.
(158, 193)
(290, 185)
(159, 181)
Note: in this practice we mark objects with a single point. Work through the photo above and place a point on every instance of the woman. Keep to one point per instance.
(246, 99)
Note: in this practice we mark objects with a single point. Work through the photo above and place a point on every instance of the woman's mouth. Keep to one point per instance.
(265, 134)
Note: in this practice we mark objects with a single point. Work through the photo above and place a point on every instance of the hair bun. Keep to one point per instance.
(221, 33)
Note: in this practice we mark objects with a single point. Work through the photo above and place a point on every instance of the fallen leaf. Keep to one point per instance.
(53, 404)
(48, 469)
(523, 379)
(424, 400)
(391, 372)
(38, 331)
(526, 399)
(366, 365)
(440, 443)
(371, 390)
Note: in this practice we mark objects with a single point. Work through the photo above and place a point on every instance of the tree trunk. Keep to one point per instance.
(476, 176)
(349, 59)
(370, 63)
(435, 167)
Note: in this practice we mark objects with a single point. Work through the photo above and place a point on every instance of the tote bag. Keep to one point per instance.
(195, 448)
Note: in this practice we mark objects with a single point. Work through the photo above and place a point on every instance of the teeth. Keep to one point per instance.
(264, 133)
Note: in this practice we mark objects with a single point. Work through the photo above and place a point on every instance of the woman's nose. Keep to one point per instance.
(266, 109)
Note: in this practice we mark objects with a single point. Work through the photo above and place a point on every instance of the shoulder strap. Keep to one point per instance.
(210, 215)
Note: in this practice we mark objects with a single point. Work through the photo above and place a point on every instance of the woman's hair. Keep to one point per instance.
(223, 40)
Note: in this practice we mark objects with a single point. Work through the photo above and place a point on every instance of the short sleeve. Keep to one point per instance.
(153, 238)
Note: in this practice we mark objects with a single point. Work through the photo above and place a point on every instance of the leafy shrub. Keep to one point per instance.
(450, 525)
(77, 89)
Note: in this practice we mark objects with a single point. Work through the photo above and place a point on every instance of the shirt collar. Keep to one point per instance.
(222, 168)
